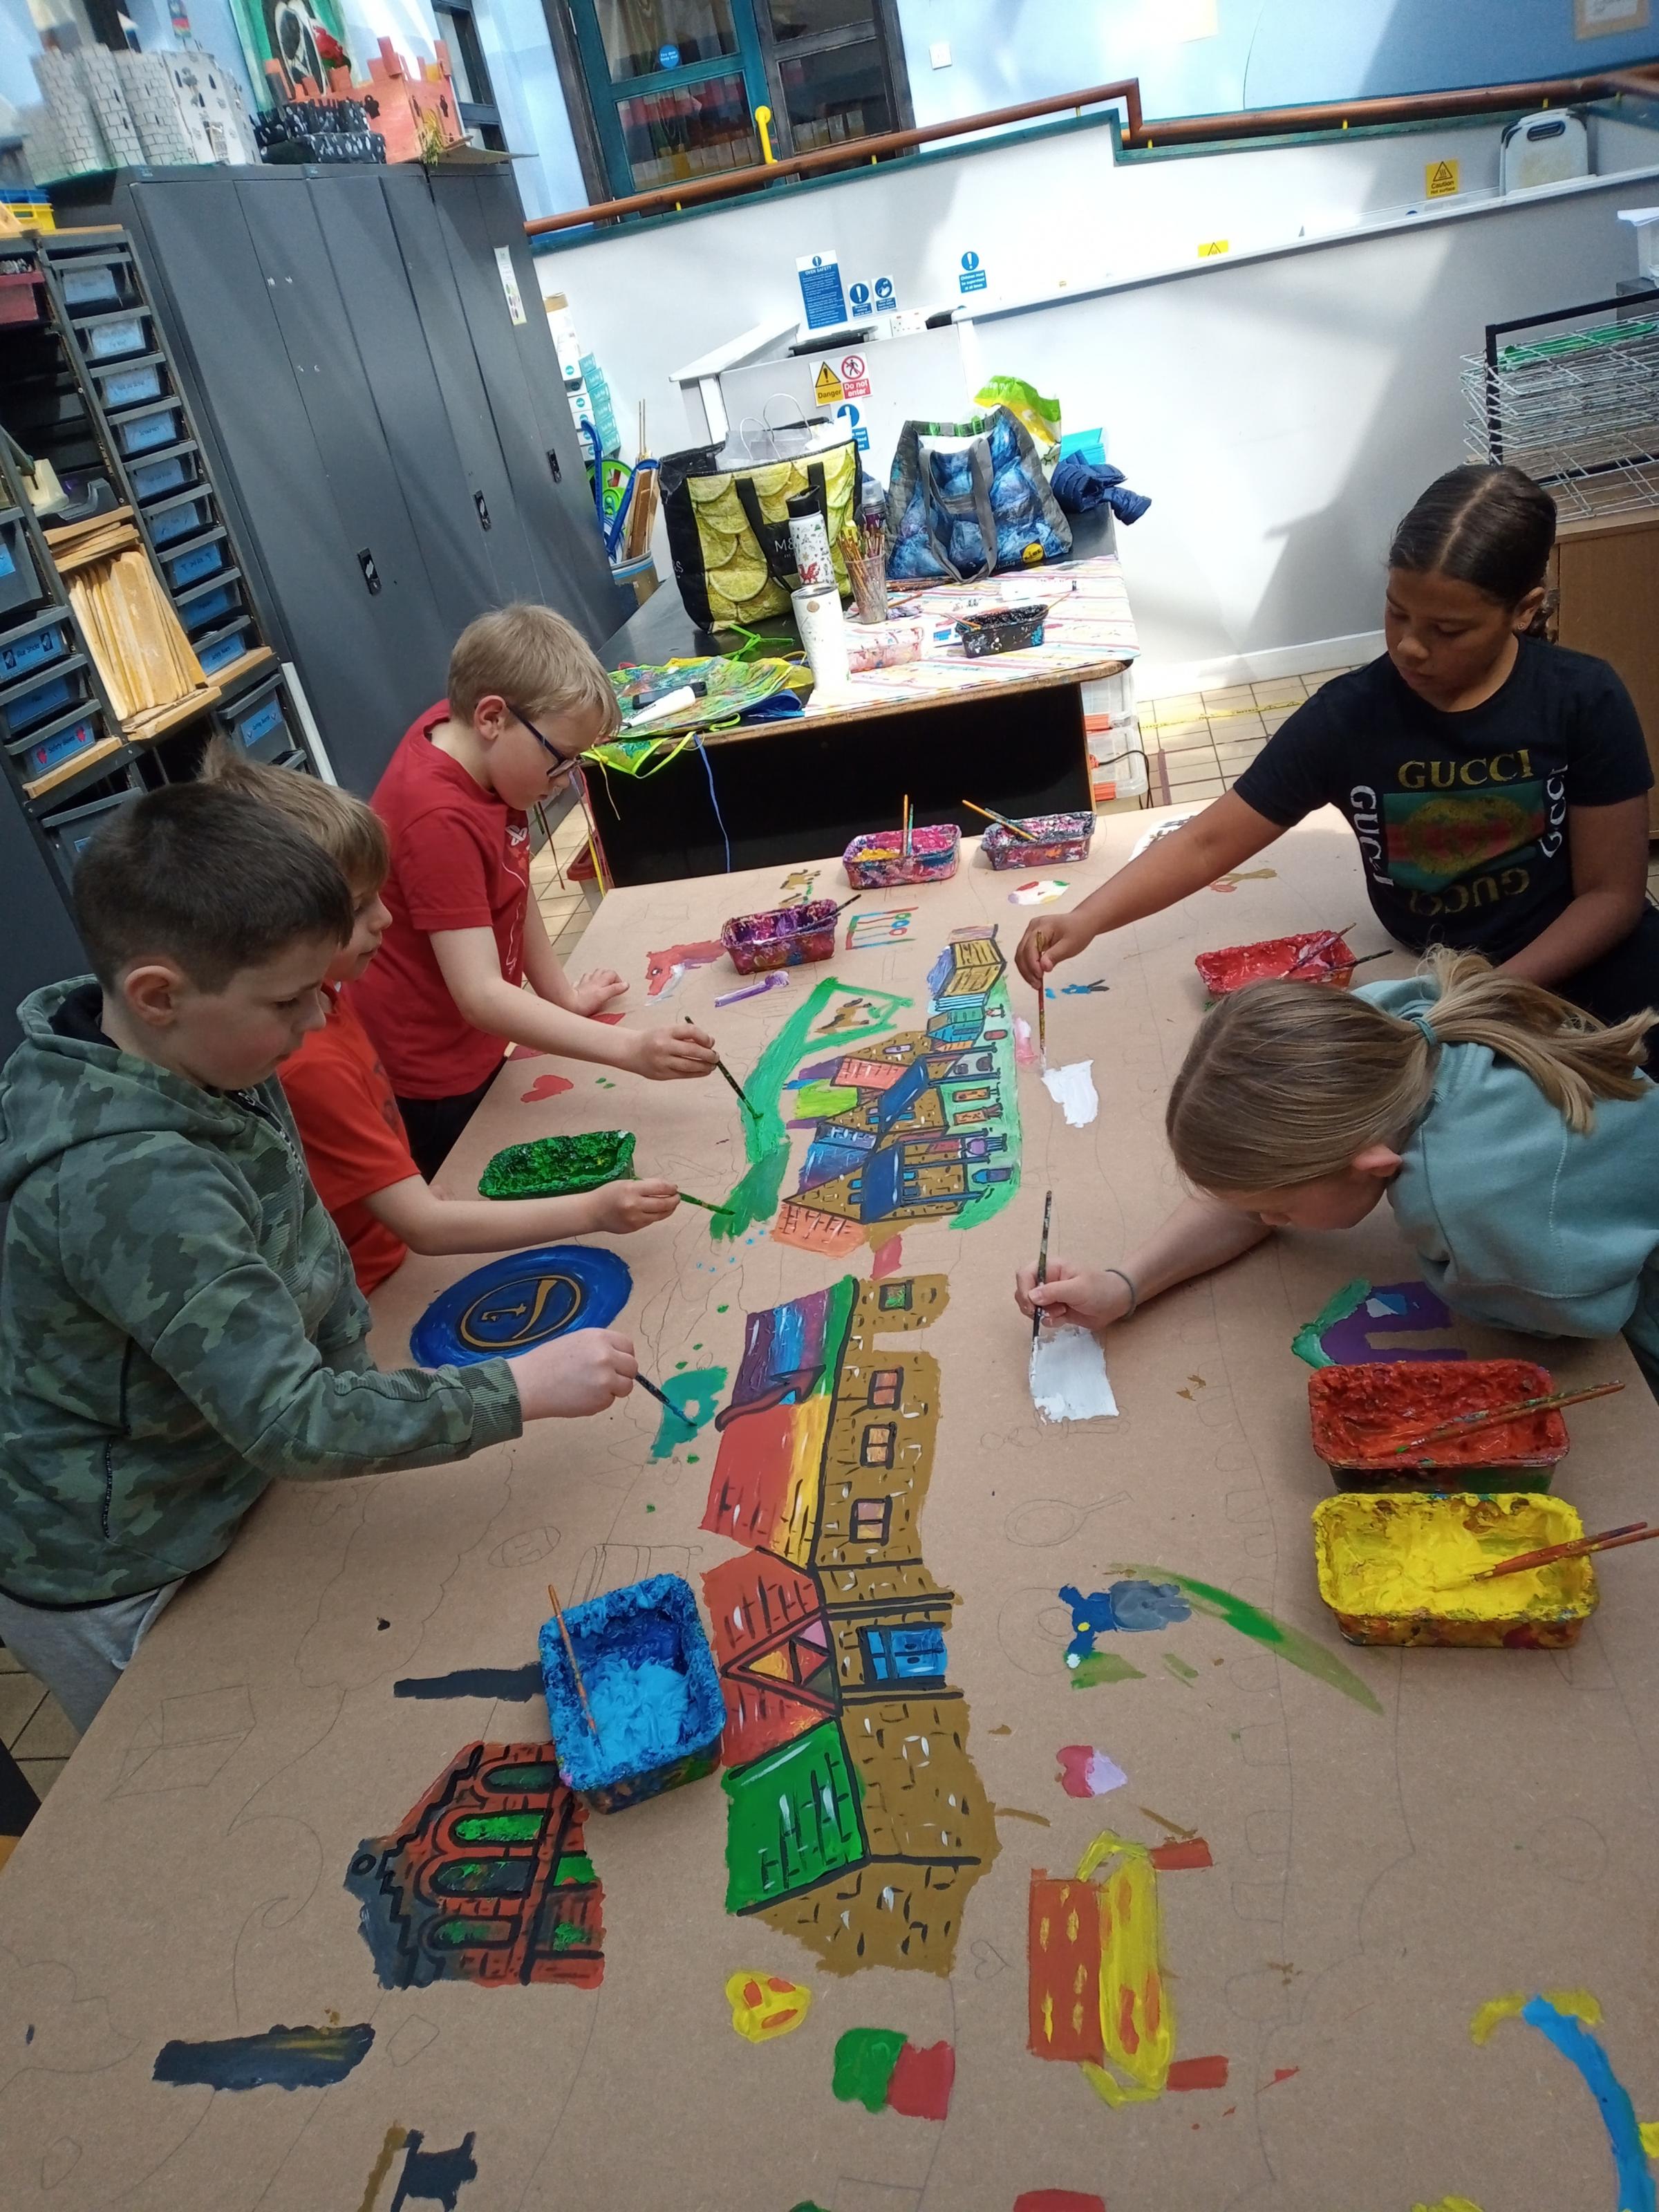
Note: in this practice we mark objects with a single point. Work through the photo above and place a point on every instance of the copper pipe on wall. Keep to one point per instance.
(1138, 135)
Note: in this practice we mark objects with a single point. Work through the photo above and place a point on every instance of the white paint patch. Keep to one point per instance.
(1072, 1089)
(1039, 892)
(1069, 1381)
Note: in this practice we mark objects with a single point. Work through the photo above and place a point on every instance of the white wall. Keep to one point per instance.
(1280, 413)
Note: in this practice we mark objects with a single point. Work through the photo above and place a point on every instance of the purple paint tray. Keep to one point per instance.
(1054, 840)
(874, 862)
(784, 937)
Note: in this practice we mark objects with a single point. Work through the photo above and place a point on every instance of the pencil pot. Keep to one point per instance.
(1053, 840)
(874, 862)
(1359, 1416)
(786, 936)
(651, 1688)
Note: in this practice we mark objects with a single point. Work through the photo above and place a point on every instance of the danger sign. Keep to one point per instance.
(854, 383)
(827, 385)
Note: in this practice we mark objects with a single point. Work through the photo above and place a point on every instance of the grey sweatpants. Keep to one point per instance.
(80, 1656)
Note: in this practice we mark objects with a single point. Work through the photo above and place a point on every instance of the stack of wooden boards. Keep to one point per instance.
(153, 677)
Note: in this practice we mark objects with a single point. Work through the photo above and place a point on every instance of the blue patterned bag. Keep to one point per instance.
(968, 498)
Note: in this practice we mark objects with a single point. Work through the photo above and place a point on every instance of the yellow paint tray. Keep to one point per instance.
(1395, 1567)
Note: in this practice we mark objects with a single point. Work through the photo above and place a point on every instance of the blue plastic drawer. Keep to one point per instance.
(259, 723)
(211, 607)
(180, 518)
(148, 430)
(48, 641)
(107, 337)
(225, 645)
(51, 695)
(78, 734)
(19, 579)
(195, 563)
(74, 830)
(129, 387)
(155, 479)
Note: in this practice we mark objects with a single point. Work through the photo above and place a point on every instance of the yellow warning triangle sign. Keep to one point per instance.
(1443, 179)
(827, 385)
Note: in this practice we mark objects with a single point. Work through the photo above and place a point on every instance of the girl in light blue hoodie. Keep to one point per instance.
(1516, 1140)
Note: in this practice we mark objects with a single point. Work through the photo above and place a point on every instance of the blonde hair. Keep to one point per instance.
(534, 659)
(351, 833)
(1287, 1082)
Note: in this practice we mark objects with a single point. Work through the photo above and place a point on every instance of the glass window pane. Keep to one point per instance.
(693, 132)
(643, 36)
(455, 39)
(798, 19)
(839, 94)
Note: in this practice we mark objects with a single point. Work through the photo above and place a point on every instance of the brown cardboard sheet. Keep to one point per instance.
(1340, 1855)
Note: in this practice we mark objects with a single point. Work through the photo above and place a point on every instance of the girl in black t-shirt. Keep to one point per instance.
(1496, 784)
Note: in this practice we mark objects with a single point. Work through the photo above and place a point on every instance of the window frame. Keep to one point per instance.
(881, 1505)
(889, 1429)
(483, 116)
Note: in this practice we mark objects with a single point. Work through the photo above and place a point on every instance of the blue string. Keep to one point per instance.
(714, 802)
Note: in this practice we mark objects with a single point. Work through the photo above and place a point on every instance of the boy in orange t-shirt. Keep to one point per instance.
(353, 1135)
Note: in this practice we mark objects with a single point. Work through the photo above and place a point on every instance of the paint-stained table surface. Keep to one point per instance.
(1342, 1855)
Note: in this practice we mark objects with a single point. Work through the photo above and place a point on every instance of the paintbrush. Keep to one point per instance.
(1461, 1424)
(853, 901)
(662, 1398)
(734, 1082)
(905, 832)
(1610, 1540)
(991, 815)
(570, 1654)
(707, 1206)
(1323, 943)
(1043, 1008)
(1042, 1261)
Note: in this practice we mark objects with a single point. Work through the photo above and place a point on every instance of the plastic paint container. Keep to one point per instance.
(874, 862)
(1357, 1414)
(1395, 1569)
(1330, 960)
(1055, 838)
(783, 937)
(647, 1637)
(555, 1167)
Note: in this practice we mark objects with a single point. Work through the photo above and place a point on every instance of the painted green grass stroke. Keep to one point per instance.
(754, 1197)
(1007, 1080)
(1305, 1343)
(1277, 1635)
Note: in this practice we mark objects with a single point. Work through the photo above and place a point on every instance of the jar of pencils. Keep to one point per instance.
(864, 549)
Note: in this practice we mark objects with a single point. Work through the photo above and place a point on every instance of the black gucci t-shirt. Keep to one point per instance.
(1461, 818)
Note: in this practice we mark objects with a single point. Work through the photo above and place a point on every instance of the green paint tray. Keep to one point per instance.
(556, 1167)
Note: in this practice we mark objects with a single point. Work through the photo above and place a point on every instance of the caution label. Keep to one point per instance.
(1440, 179)
(1212, 247)
(827, 385)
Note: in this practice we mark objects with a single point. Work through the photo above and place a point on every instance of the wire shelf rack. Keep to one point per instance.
(1576, 407)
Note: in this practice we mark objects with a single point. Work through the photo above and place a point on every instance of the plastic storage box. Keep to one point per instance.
(1358, 1414)
(784, 937)
(1398, 1568)
(1054, 838)
(654, 1622)
(878, 860)
(1313, 956)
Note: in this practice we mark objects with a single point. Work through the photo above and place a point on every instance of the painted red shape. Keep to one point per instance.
(921, 2087)
(526, 1052)
(545, 1086)
(1198, 2074)
(1179, 1858)
(609, 1020)
(1281, 2074)
(887, 1258)
(1057, 2200)
(1064, 1949)
(659, 966)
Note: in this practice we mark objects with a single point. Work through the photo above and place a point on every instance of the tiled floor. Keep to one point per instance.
(34, 1726)
(565, 905)
(1199, 744)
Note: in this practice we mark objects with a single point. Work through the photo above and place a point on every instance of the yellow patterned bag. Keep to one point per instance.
(728, 527)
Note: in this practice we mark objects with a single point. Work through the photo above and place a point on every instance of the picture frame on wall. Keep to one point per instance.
(288, 32)
(1605, 19)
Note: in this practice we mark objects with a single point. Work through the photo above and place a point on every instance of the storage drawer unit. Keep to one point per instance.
(260, 721)
(1605, 573)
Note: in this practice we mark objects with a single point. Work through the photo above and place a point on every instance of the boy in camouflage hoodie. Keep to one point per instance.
(179, 1322)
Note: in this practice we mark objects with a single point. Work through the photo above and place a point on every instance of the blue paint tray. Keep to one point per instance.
(656, 1621)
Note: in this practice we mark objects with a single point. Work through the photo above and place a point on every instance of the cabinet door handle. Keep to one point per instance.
(553, 463)
(483, 506)
(371, 574)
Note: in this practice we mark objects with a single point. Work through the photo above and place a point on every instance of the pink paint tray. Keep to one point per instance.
(1054, 840)
(1358, 1414)
(877, 860)
(783, 937)
(1328, 959)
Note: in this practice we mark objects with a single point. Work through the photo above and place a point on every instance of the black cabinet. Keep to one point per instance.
(396, 449)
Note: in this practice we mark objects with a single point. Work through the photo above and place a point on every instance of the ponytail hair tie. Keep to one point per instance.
(1422, 1022)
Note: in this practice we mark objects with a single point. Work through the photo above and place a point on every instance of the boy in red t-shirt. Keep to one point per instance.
(343, 1106)
(445, 997)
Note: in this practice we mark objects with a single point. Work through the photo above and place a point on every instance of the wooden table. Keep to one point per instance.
(789, 791)
(1389, 1840)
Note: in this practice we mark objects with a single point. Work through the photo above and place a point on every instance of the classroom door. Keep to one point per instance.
(674, 84)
